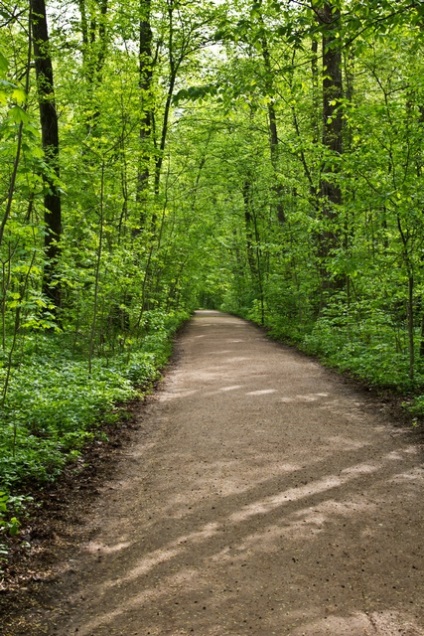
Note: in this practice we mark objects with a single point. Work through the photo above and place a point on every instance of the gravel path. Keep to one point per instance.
(269, 498)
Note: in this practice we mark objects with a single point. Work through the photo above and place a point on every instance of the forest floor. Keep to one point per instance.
(259, 493)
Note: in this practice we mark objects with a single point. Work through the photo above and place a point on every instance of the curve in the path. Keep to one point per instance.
(270, 498)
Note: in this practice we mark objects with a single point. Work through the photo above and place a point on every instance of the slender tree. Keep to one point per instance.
(272, 115)
(329, 17)
(146, 106)
(50, 141)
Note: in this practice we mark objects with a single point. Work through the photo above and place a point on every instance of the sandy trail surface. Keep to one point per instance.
(269, 497)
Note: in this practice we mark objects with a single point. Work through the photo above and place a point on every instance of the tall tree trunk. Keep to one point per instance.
(103, 6)
(50, 141)
(332, 92)
(249, 230)
(272, 121)
(175, 59)
(253, 248)
(316, 124)
(145, 84)
(332, 131)
(84, 30)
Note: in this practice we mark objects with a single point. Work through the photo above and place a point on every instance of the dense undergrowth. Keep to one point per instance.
(55, 405)
(358, 338)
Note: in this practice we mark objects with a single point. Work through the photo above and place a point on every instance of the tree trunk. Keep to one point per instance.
(249, 231)
(50, 141)
(145, 82)
(332, 93)
(272, 122)
(316, 124)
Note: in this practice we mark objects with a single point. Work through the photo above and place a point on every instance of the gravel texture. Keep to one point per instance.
(270, 496)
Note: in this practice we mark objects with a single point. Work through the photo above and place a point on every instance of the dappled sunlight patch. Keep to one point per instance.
(361, 624)
(208, 531)
(311, 397)
(411, 450)
(254, 545)
(338, 442)
(231, 481)
(356, 505)
(304, 397)
(207, 312)
(95, 547)
(302, 525)
(104, 619)
(174, 395)
(225, 555)
(414, 476)
(167, 553)
(355, 625)
(394, 456)
(220, 353)
(361, 469)
(224, 389)
(268, 504)
(162, 595)
(208, 375)
(288, 467)
(395, 624)
(146, 564)
(268, 540)
(306, 522)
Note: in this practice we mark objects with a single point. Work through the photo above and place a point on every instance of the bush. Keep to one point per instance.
(55, 406)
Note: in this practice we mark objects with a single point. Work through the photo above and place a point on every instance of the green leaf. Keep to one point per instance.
(14, 525)
(4, 64)
(19, 95)
(19, 115)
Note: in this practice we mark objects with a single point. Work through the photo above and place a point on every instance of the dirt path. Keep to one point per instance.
(270, 498)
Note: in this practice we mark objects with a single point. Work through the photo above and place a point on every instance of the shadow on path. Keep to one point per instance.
(271, 500)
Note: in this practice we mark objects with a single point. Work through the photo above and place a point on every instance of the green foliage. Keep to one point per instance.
(8, 525)
(10, 507)
(204, 187)
(364, 340)
(55, 405)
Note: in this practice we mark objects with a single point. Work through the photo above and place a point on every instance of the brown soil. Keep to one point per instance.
(261, 494)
